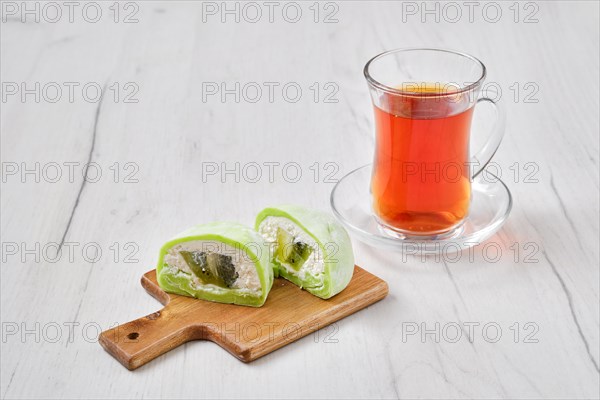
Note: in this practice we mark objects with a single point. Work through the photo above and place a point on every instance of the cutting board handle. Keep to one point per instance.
(142, 340)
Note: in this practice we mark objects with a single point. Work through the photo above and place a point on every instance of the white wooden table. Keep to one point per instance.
(161, 139)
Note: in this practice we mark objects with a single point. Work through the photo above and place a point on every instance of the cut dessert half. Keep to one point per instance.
(221, 261)
(309, 248)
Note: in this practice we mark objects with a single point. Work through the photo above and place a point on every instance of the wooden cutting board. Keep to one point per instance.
(246, 332)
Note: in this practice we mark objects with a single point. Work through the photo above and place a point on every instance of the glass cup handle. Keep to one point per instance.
(481, 159)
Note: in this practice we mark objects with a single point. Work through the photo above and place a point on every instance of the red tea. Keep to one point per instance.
(421, 179)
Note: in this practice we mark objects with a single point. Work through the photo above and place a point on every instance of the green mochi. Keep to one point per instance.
(334, 245)
(241, 238)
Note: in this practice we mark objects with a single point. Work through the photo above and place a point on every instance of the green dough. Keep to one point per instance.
(332, 248)
(210, 272)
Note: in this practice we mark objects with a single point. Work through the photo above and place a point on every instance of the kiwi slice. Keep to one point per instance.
(290, 250)
(211, 268)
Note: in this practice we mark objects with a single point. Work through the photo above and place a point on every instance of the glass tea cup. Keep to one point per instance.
(423, 101)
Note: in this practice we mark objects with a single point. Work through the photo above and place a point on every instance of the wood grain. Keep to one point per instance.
(289, 314)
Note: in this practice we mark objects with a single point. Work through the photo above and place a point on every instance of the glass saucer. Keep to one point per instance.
(490, 206)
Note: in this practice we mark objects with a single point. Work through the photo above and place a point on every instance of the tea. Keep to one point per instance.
(421, 178)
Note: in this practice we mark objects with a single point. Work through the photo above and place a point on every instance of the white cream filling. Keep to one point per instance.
(314, 265)
(247, 281)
